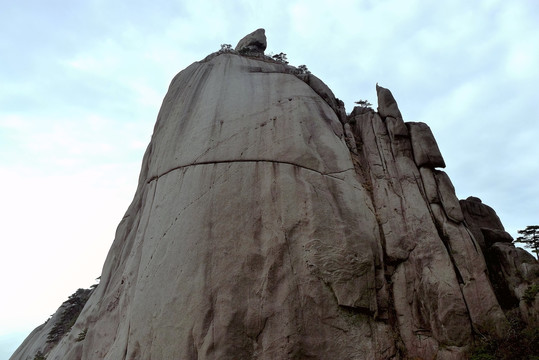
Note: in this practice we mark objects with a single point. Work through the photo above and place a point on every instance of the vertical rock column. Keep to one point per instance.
(431, 261)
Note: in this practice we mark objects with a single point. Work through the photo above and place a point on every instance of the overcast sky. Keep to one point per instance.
(81, 83)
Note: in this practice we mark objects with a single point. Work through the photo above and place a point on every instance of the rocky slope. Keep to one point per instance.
(268, 224)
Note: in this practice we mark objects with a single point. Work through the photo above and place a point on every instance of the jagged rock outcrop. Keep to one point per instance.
(269, 225)
(387, 106)
(512, 270)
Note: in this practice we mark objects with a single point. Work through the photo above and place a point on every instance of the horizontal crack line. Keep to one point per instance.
(330, 174)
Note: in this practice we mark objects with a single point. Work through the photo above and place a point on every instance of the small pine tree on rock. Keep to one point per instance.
(364, 103)
(226, 48)
(530, 238)
(280, 57)
(302, 69)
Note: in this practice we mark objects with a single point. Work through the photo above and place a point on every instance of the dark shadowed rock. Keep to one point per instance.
(254, 42)
(492, 236)
(511, 270)
(480, 216)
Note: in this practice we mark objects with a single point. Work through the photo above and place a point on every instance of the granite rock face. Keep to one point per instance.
(387, 105)
(511, 269)
(253, 42)
(267, 224)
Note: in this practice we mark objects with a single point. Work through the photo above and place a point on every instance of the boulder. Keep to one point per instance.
(425, 148)
(479, 216)
(492, 236)
(254, 42)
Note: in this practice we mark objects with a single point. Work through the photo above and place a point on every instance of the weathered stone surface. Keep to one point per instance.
(448, 199)
(471, 269)
(493, 236)
(253, 42)
(349, 137)
(479, 216)
(264, 228)
(341, 111)
(511, 270)
(245, 217)
(429, 184)
(396, 128)
(399, 136)
(426, 151)
(387, 106)
(418, 259)
(323, 91)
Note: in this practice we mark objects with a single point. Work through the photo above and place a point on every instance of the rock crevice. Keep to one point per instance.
(156, 177)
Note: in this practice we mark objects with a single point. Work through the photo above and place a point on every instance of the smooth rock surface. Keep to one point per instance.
(426, 151)
(323, 90)
(244, 239)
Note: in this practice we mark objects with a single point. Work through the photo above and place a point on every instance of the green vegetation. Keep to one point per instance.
(82, 335)
(520, 342)
(39, 356)
(72, 308)
(302, 69)
(280, 57)
(530, 293)
(364, 103)
(226, 48)
(530, 238)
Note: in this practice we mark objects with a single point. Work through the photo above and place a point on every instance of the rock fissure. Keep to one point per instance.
(330, 174)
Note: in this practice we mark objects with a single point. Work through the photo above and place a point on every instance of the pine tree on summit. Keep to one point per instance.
(530, 238)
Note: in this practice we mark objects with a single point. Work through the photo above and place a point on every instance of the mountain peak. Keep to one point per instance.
(268, 224)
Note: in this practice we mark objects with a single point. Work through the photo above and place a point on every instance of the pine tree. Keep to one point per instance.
(364, 103)
(530, 238)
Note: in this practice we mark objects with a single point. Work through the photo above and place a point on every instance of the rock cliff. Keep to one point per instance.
(268, 224)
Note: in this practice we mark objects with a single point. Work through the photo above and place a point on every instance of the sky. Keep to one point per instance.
(81, 83)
